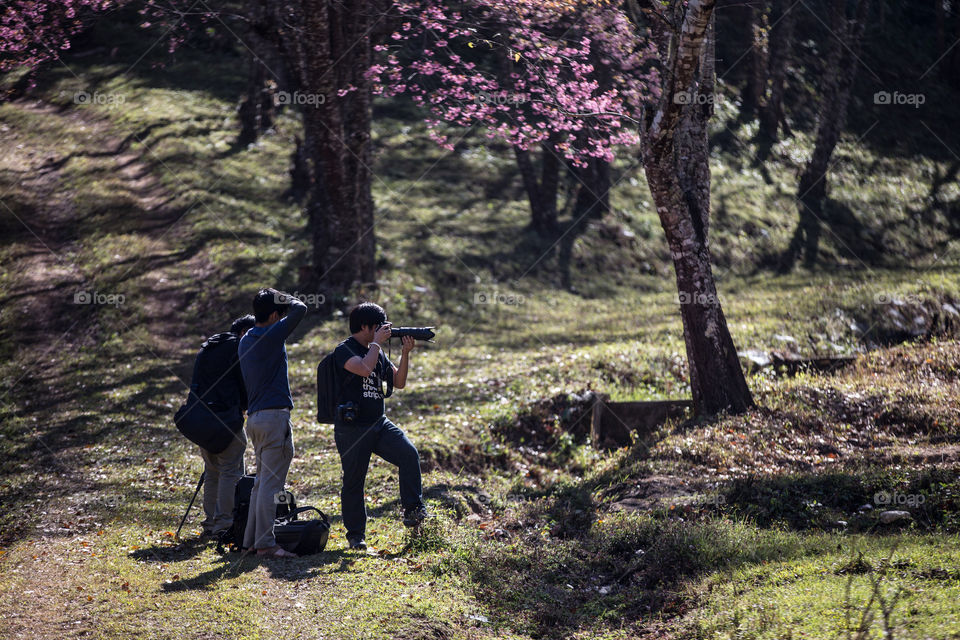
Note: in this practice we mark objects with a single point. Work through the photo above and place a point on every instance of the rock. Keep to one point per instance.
(475, 506)
(858, 328)
(866, 507)
(756, 357)
(889, 517)
(474, 518)
(897, 319)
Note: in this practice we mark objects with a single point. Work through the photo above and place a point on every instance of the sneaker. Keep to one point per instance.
(414, 517)
(358, 543)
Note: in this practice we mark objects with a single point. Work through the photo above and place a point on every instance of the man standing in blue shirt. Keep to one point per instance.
(263, 360)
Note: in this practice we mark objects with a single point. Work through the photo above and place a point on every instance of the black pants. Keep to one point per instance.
(355, 444)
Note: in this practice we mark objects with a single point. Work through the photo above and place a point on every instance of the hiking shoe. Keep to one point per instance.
(357, 543)
(415, 517)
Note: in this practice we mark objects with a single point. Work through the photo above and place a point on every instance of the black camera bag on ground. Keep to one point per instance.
(233, 536)
(302, 537)
(211, 429)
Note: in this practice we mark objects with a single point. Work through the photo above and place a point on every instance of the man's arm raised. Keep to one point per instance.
(364, 366)
(400, 373)
(294, 315)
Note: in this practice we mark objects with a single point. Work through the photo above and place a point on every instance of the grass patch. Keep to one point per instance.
(535, 533)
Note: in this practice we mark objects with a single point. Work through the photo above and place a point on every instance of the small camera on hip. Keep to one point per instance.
(347, 412)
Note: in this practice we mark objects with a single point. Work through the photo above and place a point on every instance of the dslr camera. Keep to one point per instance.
(418, 333)
(347, 412)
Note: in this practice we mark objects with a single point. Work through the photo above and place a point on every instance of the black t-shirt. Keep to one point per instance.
(367, 392)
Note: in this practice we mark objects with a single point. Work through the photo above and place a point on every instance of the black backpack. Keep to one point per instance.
(233, 537)
(214, 420)
(329, 384)
(204, 426)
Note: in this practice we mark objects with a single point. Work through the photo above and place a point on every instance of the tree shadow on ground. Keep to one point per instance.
(565, 558)
(458, 498)
(163, 553)
(232, 564)
(849, 501)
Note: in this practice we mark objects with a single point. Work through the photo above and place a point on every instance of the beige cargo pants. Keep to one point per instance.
(271, 433)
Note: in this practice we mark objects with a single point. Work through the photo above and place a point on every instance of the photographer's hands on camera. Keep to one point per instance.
(382, 335)
(407, 343)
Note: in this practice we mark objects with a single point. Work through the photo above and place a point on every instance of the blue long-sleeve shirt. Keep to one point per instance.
(263, 361)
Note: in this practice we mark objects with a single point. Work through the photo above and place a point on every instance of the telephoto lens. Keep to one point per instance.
(419, 333)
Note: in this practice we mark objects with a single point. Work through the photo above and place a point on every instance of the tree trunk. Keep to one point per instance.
(676, 162)
(593, 192)
(781, 46)
(542, 192)
(955, 66)
(549, 184)
(299, 174)
(757, 67)
(266, 72)
(328, 45)
(255, 112)
(838, 76)
(941, 29)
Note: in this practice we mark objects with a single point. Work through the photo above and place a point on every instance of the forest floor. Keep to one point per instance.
(765, 525)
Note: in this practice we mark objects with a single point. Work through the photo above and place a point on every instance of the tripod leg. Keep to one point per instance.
(190, 506)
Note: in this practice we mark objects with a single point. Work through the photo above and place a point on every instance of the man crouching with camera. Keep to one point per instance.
(361, 428)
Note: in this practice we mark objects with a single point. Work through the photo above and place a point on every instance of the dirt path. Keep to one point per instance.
(48, 230)
(57, 301)
(51, 295)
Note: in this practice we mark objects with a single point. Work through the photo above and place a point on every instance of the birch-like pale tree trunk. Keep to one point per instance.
(675, 156)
